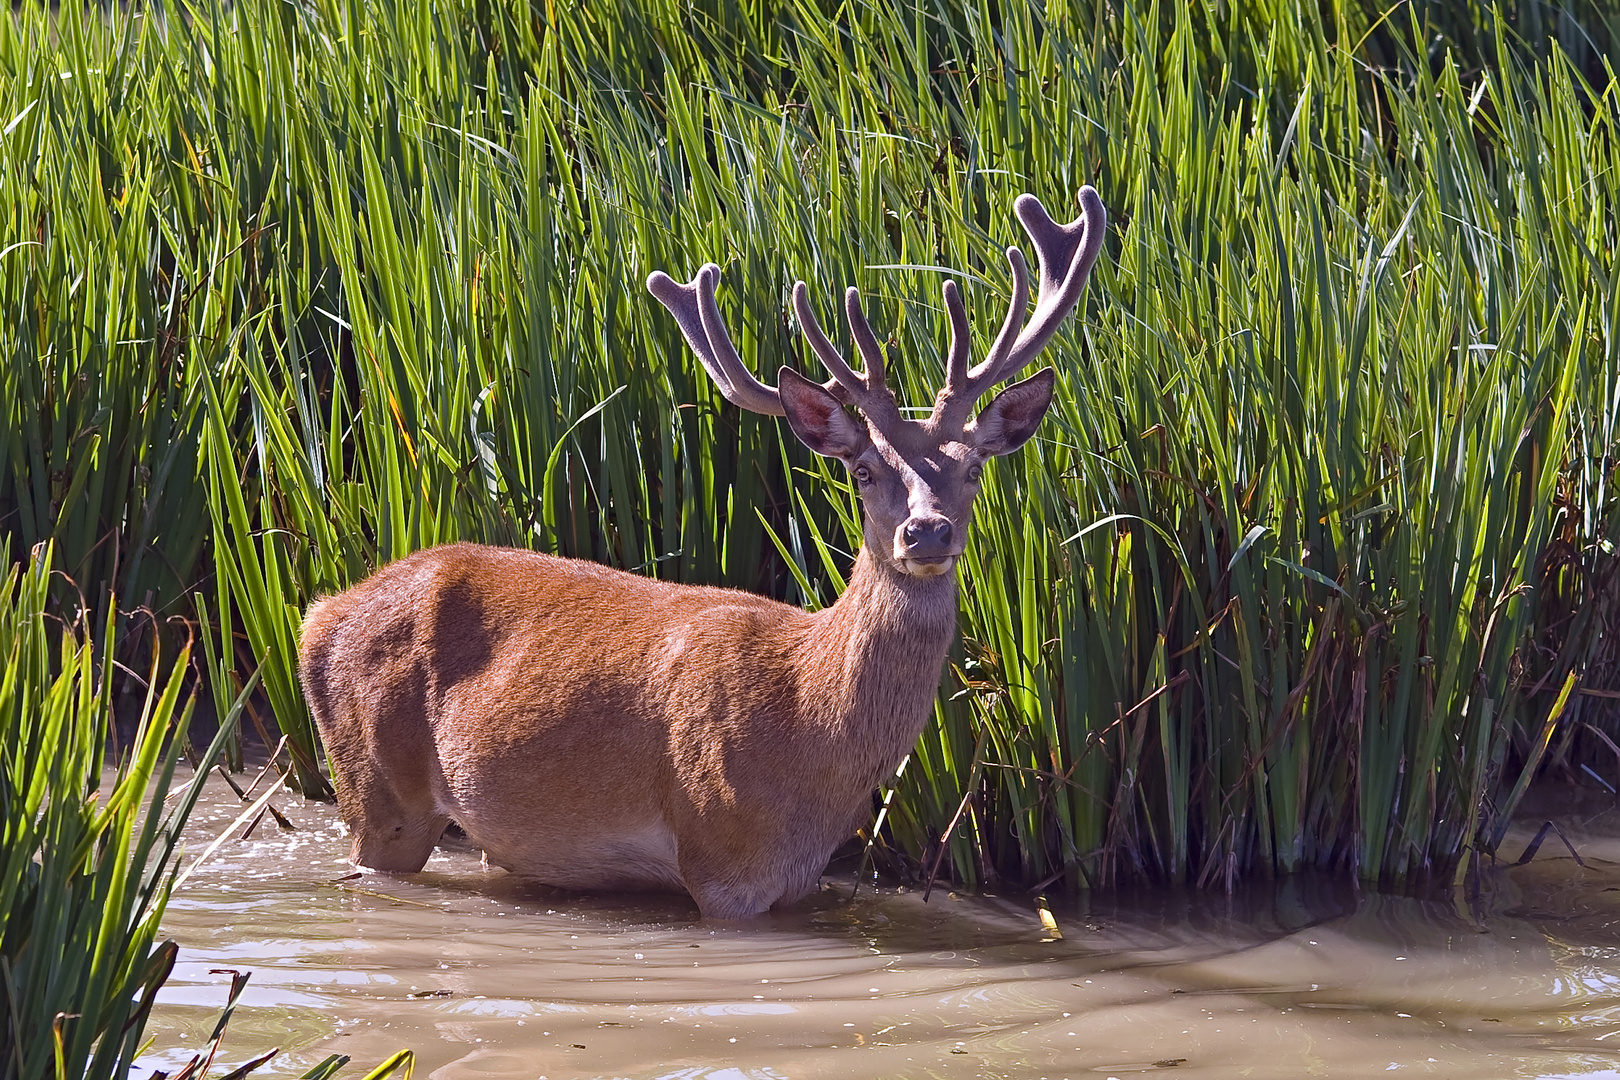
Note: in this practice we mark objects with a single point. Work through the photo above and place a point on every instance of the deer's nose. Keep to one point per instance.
(927, 537)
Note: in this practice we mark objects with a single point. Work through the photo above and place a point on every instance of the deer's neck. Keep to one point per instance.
(878, 653)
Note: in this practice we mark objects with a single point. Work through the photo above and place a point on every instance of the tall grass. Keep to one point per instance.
(88, 855)
(1311, 565)
(90, 830)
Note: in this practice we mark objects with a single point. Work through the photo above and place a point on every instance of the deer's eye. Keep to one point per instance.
(863, 475)
(974, 472)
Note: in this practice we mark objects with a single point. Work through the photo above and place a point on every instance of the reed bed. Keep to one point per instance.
(91, 823)
(89, 854)
(1311, 566)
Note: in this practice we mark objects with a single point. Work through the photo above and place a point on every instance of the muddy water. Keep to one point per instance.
(484, 976)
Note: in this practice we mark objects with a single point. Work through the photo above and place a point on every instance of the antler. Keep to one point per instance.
(1066, 254)
(868, 390)
(698, 316)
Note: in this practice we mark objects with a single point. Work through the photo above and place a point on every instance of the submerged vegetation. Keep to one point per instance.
(1312, 564)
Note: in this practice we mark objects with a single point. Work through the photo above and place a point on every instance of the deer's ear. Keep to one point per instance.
(1009, 420)
(817, 418)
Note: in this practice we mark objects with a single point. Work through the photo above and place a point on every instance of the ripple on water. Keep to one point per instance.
(484, 975)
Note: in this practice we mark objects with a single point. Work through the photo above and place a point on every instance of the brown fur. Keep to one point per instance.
(714, 741)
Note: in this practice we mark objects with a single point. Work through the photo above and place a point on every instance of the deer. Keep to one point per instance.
(598, 730)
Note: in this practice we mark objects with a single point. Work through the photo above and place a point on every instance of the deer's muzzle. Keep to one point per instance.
(925, 545)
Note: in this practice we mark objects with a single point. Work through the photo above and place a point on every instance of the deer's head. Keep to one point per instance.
(917, 478)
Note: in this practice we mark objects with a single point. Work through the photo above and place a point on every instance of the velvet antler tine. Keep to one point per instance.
(866, 341)
(825, 350)
(748, 392)
(955, 399)
(681, 300)
(696, 314)
(865, 390)
(956, 361)
(1014, 322)
(1065, 254)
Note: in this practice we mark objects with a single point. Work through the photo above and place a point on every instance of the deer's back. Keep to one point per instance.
(464, 625)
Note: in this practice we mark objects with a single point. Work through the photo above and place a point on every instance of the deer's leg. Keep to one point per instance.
(387, 833)
(712, 878)
(721, 900)
(775, 878)
(383, 762)
(799, 886)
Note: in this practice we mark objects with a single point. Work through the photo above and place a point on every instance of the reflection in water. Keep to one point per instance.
(484, 975)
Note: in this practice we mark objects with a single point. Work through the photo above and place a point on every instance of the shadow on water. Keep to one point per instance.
(487, 975)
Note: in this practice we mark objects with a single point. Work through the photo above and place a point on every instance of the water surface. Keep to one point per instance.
(483, 975)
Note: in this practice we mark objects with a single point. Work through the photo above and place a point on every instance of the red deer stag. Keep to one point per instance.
(599, 730)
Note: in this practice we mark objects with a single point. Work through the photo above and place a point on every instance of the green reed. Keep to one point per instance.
(91, 826)
(89, 852)
(1310, 566)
